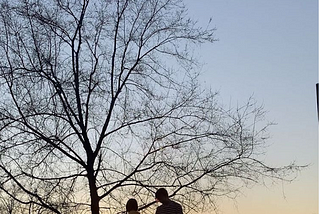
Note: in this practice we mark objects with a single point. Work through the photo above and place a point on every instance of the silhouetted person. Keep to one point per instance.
(168, 206)
(132, 206)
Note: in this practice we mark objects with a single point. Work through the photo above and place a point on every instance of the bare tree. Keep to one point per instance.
(100, 101)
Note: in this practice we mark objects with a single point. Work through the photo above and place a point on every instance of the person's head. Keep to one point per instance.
(132, 205)
(162, 195)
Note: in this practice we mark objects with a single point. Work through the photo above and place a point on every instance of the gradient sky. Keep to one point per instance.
(269, 49)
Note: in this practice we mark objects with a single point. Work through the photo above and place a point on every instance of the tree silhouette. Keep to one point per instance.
(100, 101)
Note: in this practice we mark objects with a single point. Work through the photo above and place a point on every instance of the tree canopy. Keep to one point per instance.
(100, 101)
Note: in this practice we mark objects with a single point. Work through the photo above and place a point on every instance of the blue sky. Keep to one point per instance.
(269, 49)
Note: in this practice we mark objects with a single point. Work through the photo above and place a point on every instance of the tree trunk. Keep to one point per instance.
(93, 191)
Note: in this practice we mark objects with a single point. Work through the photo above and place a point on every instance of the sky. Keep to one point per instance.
(269, 49)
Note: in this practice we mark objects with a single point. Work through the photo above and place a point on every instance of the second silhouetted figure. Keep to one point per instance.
(168, 206)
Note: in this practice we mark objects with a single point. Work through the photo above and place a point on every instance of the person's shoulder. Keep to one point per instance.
(176, 203)
(177, 207)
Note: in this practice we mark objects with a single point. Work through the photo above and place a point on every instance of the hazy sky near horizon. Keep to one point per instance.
(269, 49)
